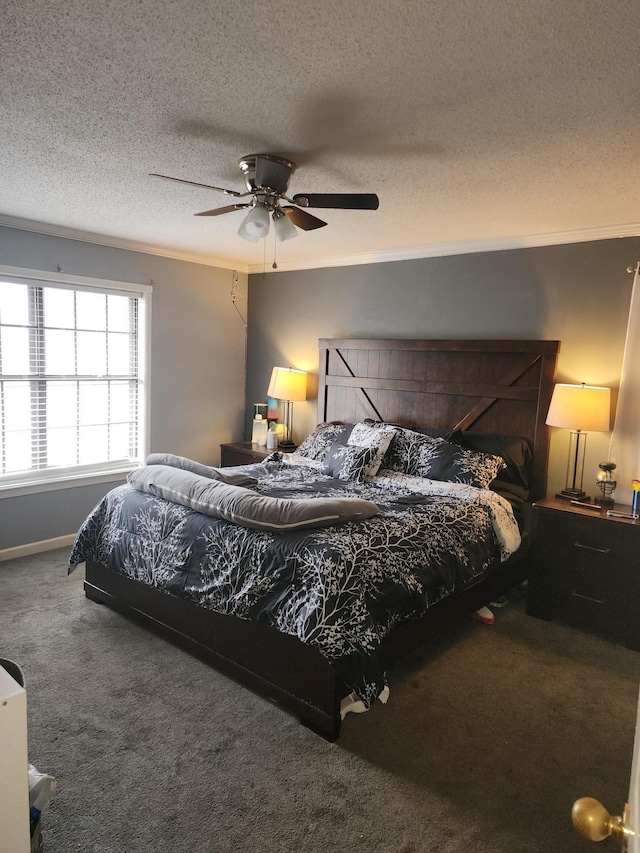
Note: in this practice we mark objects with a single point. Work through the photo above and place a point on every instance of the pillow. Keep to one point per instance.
(348, 462)
(244, 507)
(198, 468)
(438, 459)
(316, 445)
(404, 443)
(517, 496)
(514, 449)
(404, 450)
(434, 432)
(375, 436)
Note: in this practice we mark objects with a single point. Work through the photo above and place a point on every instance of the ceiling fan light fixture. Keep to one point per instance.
(255, 225)
(285, 229)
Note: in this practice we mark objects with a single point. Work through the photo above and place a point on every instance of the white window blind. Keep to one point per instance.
(72, 378)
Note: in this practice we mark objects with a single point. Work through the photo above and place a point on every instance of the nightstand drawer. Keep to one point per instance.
(593, 616)
(587, 538)
(587, 576)
(582, 585)
(577, 564)
(590, 600)
(590, 545)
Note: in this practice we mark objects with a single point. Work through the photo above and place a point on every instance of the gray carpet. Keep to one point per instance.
(489, 736)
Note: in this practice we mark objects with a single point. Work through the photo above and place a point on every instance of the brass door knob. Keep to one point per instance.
(592, 820)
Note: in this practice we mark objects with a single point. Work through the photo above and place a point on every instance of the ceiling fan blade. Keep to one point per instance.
(345, 201)
(302, 219)
(271, 172)
(195, 184)
(218, 210)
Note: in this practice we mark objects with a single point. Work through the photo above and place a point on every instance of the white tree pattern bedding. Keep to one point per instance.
(340, 589)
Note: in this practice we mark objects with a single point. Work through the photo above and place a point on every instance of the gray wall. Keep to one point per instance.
(578, 294)
(198, 344)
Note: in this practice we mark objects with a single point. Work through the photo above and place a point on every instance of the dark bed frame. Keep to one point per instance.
(484, 386)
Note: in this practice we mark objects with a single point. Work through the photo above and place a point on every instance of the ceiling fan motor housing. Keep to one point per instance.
(266, 171)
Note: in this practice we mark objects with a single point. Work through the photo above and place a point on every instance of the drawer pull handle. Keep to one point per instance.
(588, 597)
(591, 548)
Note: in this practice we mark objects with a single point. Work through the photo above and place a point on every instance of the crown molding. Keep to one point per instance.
(464, 247)
(435, 250)
(119, 243)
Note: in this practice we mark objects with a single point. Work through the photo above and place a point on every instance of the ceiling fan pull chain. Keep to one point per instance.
(264, 258)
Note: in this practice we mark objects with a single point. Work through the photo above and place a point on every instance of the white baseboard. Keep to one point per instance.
(37, 547)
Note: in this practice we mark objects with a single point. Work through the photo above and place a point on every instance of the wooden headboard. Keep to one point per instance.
(482, 386)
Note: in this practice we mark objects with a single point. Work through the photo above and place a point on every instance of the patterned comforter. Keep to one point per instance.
(340, 589)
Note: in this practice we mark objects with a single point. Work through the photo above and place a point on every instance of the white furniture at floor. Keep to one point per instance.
(14, 766)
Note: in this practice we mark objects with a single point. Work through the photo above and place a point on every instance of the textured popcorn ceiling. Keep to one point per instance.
(477, 122)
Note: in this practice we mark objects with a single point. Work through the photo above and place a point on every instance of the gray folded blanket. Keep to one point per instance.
(244, 507)
(185, 464)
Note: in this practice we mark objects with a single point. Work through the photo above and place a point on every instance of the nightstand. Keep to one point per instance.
(245, 453)
(586, 569)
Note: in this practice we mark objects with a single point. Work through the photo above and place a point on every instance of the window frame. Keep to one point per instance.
(34, 481)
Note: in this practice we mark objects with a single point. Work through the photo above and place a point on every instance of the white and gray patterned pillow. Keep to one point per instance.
(438, 459)
(348, 461)
(316, 445)
(404, 451)
(377, 437)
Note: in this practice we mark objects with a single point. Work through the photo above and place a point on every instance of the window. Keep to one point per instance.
(72, 377)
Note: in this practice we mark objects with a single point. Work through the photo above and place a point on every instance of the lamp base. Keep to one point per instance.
(573, 495)
(602, 501)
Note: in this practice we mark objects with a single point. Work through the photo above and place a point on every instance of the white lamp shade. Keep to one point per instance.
(285, 229)
(288, 384)
(255, 225)
(580, 407)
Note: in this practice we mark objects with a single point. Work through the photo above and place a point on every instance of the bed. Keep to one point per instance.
(478, 396)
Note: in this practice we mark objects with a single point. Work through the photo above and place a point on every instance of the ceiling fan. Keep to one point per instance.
(267, 177)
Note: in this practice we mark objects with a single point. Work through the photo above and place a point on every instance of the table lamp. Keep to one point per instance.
(289, 386)
(580, 408)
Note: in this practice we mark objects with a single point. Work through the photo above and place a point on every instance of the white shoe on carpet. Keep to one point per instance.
(484, 615)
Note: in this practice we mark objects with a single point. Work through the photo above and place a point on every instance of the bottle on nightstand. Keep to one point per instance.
(259, 428)
(272, 439)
